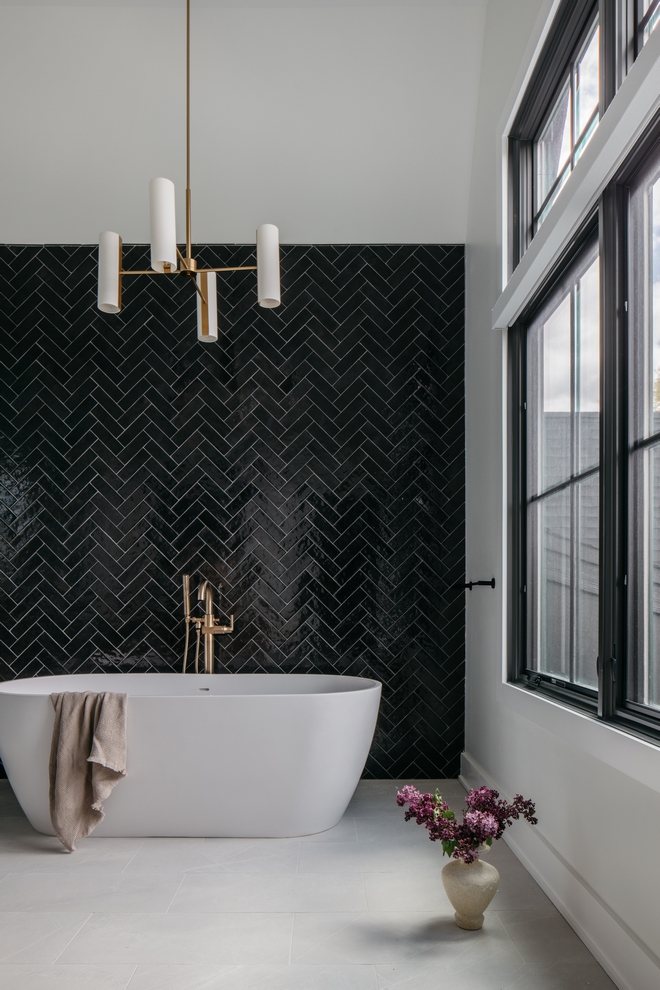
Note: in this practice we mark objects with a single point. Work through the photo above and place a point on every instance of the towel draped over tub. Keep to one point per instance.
(87, 759)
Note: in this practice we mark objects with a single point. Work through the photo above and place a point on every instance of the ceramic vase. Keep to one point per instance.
(470, 888)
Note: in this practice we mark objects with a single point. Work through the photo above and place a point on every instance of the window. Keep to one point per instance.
(584, 372)
(588, 51)
(562, 479)
(584, 59)
(648, 16)
(560, 403)
(570, 125)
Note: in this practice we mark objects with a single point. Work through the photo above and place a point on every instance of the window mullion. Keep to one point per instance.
(574, 489)
(610, 639)
(572, 111)
(610, 74)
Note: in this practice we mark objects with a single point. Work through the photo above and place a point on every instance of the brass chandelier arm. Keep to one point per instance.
(240, 268)
(179, 271)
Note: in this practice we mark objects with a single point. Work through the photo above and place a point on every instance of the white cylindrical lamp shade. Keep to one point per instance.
(109, 289)
(162, 215)
(207, 308)
(268, 265)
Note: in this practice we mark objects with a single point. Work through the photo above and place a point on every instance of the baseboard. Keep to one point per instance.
(471, 774)
(629, 963)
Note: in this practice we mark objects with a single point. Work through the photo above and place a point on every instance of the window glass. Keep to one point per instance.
(553, 149)
(587, 368)
(563, 438)
(648, 16)
(569, 126)
(587, 89)
(644, 474)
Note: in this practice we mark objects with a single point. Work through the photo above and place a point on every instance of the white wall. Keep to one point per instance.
(348, 123)
(597, 790)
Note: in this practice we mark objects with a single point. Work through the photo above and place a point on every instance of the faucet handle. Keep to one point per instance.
(220, 630)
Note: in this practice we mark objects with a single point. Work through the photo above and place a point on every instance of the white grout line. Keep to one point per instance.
(130, 977)
(75, 934)
(6, 960)
(293, 924)
(167, 911)
(298, 860)
(364, 887)
(133, 857)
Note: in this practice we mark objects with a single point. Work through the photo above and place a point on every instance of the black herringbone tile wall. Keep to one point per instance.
(310, 463)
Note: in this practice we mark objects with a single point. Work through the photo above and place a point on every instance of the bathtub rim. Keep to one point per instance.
(359, 685)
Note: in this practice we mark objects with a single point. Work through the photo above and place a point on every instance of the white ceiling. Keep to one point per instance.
(351, 124)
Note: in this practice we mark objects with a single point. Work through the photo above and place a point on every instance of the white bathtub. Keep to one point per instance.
(208, 755)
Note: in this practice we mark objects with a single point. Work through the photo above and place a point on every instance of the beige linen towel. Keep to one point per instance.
(87, 759)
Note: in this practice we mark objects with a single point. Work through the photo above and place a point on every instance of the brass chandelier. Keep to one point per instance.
(167, 259)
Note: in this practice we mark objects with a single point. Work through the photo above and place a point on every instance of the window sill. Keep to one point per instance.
(632, 755)
(582, 701)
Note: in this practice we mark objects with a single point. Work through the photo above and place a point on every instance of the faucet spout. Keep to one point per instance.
(209, 642)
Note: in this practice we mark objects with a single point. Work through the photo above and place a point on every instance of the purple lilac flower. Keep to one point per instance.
(485, 799)
(481, 823)
(485, 819)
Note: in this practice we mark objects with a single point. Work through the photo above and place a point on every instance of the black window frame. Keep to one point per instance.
(609, 703)
(570, 28)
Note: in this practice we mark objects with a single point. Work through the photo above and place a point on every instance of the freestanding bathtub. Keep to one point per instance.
(208, 754)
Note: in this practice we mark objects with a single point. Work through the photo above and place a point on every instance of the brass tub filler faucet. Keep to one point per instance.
(204, 624)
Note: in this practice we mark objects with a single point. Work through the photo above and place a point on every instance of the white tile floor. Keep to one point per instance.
(360, 907)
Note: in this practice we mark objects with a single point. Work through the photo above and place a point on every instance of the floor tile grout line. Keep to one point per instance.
(167, 910)
(75, 935)
(3, 960)
(293, 925)
(133, 856)
(130, 979)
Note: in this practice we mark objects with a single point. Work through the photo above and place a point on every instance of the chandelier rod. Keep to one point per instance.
(188, 218)
(165, 253)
